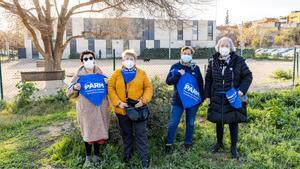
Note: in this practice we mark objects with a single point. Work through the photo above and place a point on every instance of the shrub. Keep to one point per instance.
(24, 97)
(200, 53)
(25, 102)
(282, 74)
(247, 52)
(160, 107)
(74, 55)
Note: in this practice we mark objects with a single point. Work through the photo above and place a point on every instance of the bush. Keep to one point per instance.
(247, 53)
(160, 108)
(74, 56)
(282, 74)
(200, 53)
(24, 97)
(25, 102)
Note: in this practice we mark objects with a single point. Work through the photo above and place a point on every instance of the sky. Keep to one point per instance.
(239, 10)
(248, 10)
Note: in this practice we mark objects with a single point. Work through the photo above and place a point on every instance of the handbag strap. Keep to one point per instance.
(126, 90)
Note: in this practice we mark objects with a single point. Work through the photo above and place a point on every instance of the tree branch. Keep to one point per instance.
(30, 29)
(100, 10)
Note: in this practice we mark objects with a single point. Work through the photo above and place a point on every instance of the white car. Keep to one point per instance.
(269, 51)
(262, 51)
(290, 53)
(280, 51)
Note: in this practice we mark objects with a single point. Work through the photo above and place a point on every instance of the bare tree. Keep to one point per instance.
(47, 19)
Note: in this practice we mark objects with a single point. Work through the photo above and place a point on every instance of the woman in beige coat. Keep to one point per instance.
(93, 120)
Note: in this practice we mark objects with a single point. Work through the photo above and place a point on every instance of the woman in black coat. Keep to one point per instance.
(226, 70)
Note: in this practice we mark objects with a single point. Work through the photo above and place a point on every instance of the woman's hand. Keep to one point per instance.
(240, 93)
(139, 104)
(77, 86)
(181, 71)
(122, 105)
(208, 101)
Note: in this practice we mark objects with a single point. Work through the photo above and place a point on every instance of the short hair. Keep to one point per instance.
(130, 52)
(86, 52)
(187, 47)
(226, 40)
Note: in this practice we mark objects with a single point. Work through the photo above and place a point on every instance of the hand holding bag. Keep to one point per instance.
(135, 114)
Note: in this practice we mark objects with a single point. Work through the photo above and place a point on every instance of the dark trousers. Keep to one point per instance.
(233, 127)
(134, 132)
(88, 149)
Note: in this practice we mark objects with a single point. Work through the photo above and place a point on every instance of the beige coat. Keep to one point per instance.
(93, 120)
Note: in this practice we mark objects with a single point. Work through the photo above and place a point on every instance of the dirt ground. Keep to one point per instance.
(262, 71)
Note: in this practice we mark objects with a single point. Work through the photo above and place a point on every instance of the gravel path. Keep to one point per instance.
(262, 71)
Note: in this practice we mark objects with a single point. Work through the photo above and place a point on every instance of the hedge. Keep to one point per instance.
(200, 53)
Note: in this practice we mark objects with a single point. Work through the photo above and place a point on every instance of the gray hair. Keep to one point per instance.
(129, 52)
(225, 40)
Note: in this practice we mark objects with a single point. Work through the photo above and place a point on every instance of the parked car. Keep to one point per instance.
(280, 51)
(269, 51)
(258, 50)
(290, 53)
(262, 51)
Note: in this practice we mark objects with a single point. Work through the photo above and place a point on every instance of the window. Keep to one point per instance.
(156, 43)
(210, 32)
(195, 30)
(180, 30)
(69, 31)
(87, 24)
(126, 44)
(91, 44)
(109, 48)
(188, 43)
(73, 47)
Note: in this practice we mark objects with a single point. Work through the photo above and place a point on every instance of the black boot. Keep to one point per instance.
(126, 158)
(217, 147)
(168, 149)
(234, 152)
(188, 146)
(145, 163)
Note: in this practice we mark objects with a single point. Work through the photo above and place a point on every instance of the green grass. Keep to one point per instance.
(270, 140)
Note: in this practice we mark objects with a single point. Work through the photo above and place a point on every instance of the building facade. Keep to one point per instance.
(104, 35)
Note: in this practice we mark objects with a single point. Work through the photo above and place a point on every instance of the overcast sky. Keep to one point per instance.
(239, 10)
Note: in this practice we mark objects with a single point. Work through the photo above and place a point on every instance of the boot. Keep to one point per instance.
(168, 149)
(234, 152)
(188, 146)
(217, 147)
(145, 164)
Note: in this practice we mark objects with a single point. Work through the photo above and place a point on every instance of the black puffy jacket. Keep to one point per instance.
(217, 82)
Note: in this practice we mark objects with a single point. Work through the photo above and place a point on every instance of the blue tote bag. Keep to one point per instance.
(93, 87)
(188, 90)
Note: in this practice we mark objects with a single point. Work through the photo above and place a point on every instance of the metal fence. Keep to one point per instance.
(10, 72)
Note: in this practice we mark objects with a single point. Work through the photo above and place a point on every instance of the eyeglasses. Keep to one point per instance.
(86, 59)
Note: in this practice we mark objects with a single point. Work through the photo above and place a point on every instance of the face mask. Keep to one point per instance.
(186, 58)
(128, 64)
(224, 51)
(89, 64)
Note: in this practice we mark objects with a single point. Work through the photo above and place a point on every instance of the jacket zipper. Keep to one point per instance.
(222, 102)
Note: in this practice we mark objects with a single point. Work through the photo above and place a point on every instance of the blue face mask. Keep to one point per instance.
(186, 58)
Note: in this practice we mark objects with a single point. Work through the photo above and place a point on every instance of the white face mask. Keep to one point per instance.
(89, 64)
(224, 51)
(128, 64)
(186, 58)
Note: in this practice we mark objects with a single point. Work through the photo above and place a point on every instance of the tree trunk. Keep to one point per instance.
(53, 56)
